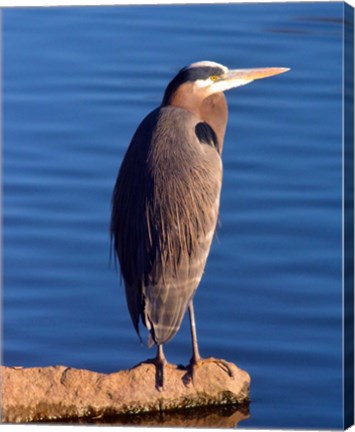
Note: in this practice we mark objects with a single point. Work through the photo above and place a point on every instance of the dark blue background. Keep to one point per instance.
(76, 83)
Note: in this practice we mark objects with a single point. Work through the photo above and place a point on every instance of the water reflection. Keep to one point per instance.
(227, 416)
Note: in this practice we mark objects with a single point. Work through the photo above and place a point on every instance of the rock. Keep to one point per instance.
(63, 393)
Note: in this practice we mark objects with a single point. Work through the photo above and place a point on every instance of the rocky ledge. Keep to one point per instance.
(62, 393)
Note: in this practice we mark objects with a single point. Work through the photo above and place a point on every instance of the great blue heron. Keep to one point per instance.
(166, 199)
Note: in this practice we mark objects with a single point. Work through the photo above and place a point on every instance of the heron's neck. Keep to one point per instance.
(212, 110)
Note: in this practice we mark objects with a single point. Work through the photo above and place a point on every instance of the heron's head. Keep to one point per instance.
(202, 79)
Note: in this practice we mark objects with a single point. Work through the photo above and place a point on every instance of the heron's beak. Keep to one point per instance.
(239, 77)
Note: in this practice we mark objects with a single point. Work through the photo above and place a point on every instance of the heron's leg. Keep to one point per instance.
(196, 359)
(160, 362)
(195, 352)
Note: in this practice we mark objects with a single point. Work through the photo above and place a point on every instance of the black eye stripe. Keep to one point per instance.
(200, 72)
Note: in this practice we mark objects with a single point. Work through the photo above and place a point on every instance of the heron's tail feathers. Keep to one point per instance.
(150, 341)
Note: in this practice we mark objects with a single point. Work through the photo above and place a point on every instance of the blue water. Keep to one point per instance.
(76, 83)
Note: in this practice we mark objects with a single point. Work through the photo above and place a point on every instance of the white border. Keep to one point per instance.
(52, 3)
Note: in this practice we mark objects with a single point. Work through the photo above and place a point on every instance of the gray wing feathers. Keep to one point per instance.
(165, 208)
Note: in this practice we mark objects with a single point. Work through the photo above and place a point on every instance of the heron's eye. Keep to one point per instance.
(214, 78)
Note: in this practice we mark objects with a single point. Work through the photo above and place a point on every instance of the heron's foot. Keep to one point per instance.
(160, 363)
(195, 363)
